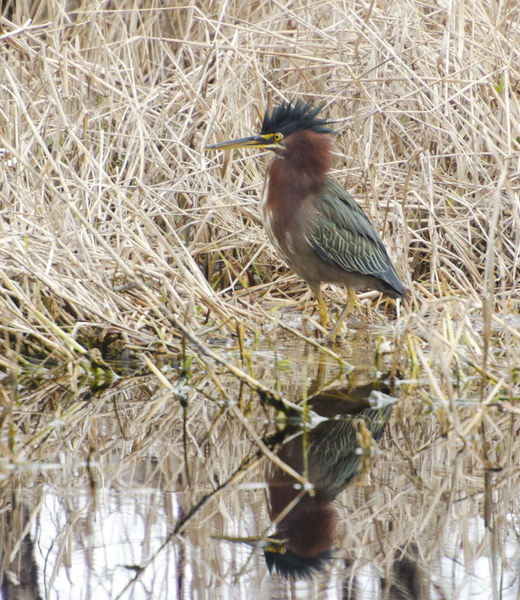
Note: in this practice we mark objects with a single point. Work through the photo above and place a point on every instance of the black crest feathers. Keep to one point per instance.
(289, 118)
(298, 567)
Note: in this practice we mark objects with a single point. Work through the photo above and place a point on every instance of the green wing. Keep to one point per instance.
(344, 237)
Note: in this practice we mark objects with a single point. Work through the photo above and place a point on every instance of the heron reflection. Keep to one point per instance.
(338, 445)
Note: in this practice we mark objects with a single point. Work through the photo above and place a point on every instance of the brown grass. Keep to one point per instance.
(120, 237)
(105, 115)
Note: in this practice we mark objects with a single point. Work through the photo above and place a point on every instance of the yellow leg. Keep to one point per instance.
(324, 314)
(351, 300)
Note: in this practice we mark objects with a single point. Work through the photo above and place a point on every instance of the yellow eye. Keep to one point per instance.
(277, 137)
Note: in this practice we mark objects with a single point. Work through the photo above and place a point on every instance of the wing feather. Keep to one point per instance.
(344, 237)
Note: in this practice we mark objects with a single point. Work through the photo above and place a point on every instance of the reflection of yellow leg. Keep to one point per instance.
(351, 300)
(324, 314)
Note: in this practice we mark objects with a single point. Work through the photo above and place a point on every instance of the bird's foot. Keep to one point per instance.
(324, 313)
(351, 300)
(333, 337)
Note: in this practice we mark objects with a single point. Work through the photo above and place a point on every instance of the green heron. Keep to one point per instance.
(320, 231)
(304, 538)
(340, 426)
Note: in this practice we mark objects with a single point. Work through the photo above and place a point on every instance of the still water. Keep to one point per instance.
(351, 487)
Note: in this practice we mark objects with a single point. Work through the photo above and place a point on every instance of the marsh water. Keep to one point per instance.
(190, 485)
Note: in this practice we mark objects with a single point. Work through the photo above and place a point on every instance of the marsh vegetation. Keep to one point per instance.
(152, 337)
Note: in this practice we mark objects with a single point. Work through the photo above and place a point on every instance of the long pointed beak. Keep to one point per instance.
(267, 544)
(255, 141)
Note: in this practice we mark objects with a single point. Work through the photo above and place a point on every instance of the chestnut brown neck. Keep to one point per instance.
(298, 173)
(304, 160)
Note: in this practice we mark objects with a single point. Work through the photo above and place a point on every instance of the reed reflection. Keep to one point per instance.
(18, 570)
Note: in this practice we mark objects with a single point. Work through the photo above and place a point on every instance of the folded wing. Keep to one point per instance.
(344, 237)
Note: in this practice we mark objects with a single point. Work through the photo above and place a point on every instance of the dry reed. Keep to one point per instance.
(120, 237)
